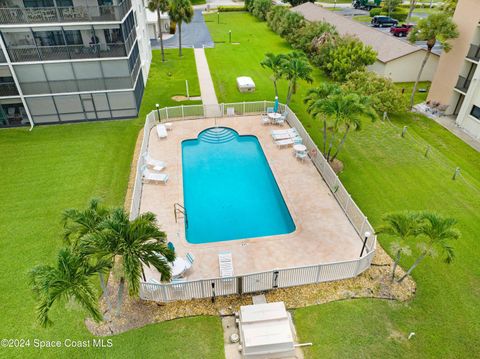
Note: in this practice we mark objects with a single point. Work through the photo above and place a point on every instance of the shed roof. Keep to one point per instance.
(388, 48)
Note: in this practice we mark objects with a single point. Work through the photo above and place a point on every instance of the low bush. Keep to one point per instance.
(260, 8)
(231, 8)
(399, 14)
(307, 36)
(375, 12)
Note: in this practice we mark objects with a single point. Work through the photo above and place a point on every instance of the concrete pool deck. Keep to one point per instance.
(323, 232)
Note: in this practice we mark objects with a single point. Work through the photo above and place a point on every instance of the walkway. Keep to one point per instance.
(207, 90)
(194, 34)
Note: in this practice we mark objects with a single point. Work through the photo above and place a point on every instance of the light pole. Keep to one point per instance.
(158, 111)
(367, 234)
(230, 36)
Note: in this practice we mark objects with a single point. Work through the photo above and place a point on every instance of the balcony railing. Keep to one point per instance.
(2, 57)
(474, 53)
(64, 14)
(463, 84)
(65, 52)
(8, 89)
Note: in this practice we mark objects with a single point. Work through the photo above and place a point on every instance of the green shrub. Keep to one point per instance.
(303, 37)
(275, 16)
(291, 22)
(399, 14)
(249, 5)
(260, 8)
(345, 55)
(231, 8)
(375, 12)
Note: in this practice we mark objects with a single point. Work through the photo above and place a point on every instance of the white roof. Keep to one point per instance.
(265, 328)
(245, 81)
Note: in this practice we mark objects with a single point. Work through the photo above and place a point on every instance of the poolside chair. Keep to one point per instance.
(281, 132)
(155, 164)
(285, 136)
(265, 119)
(281, 120)
(289, 142)
(150, 176)
(270, 110)
(225, 263)
(190, 259)
(301, 155)
(161, 131)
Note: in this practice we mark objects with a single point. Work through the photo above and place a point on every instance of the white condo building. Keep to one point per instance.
(71, 60)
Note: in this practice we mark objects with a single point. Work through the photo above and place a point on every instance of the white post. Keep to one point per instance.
(183, 115)
(188, 92)
(243, 107)
(166, 112)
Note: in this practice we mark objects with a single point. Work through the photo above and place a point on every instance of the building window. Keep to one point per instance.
(475, 112)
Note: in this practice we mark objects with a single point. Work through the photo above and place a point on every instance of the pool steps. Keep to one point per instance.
(217, 135)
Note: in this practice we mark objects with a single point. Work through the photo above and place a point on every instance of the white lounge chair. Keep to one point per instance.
(189, 258)
(281, 132)
(225, 262)
(285, 136)
(265, 119)
(154, 177)
(289, 142)
(161, 131)
(155, 164)
(301, 155)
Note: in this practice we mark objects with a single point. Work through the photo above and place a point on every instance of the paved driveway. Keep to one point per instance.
(195, 34)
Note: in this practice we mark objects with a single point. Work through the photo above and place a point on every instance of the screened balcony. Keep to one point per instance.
(463, 84)
(51, 11)
(474, 53)
(58, 43)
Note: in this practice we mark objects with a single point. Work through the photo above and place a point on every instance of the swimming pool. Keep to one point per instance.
(229, 189)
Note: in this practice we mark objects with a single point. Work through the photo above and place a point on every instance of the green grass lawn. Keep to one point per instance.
(407, 88)
(383, 172)
(62, 166)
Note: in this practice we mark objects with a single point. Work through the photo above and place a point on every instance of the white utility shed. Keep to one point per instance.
(245, 84)
(266, 331)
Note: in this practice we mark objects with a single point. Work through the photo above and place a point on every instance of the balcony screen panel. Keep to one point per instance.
(101, 102)
(72, 117)
(38, 3)
(59, 71)
(49, 37)
(68, 104)
(118, 83)
(30, 73)
(87, 70)
(91, 84)
(116, 68)
(121, 100)
(130, 113)
(45, 119)
(41, 105)
(18, 37)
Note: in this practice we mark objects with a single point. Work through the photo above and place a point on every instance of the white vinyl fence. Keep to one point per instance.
(262, 281)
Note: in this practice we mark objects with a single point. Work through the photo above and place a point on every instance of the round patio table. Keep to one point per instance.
(179, 266)
(274, 115)
(299, 148)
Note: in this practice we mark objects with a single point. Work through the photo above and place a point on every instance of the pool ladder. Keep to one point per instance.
(179, 209)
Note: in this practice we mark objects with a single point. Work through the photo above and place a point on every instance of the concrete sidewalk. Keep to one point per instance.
(207, 90)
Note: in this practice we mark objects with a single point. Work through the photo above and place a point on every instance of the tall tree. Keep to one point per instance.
(79, 223)
(391, 5)
(159, 6)
(132, 243)
(296, 67)
(181, 11)
(435, 27)
(439, 231)
(411, 7)
(274, 63)
(403, 226)
(70, 279)
(449, 6)
(346, 110)
(314, 99)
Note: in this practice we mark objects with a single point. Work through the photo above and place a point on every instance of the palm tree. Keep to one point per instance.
(439, 231)
(70, 279)
(274, 63)
(134, 243)
(403, 225)
(80, 223)
(346, 109)
(159, 6)
(435, 27)
(315, 97)
(295, 67)
(180, 11)
(411, 7)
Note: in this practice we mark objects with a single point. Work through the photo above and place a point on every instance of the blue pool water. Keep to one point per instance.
(229, 189)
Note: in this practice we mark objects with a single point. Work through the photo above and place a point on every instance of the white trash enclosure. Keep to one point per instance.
(266, 331)
(265, 280)
(245, 84)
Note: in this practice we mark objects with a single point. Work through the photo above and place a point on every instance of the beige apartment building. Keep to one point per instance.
(457, 80)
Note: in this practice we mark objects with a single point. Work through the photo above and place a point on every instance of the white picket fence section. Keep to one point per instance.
(262, 281)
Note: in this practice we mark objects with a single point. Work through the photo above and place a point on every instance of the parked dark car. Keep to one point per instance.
(381, 21)
(402, 30)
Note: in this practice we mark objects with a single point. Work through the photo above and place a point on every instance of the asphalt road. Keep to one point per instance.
(194, 34)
